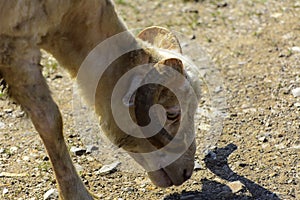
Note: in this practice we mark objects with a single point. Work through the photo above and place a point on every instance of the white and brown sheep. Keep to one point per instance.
(70, 30)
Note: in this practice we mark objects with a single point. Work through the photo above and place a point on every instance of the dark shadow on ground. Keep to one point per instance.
(217, 162)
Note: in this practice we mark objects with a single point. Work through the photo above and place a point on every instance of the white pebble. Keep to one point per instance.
(13, 150)
(26, 158)
(2, 125)
(295, 49)
(5, 191)
(296, 92)
(51, 194)
(106, 169)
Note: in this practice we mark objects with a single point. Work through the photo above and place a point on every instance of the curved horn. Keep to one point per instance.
(160, 38)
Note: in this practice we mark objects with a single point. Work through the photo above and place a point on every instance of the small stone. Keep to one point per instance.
(193, 37)
(13, 150)
(20, 114)
(222, 4)
(236, 186)
(243, 164)
(107, 169)
(276, 15)
(285, 90)
(273, 174)
(2, 125)
(5, 191)
(263, 139)
(26, 158)
(204, 127)
(191, 10)
(218, 89)
(295, 49)
(297, 105)
(45, 158)
(296, 147)
(91, 148)
(296, 92)
(242, 63)
(77, 151)
(233, 115)
(51, 194)
(198, 166)
(57, 76)
(7, 111)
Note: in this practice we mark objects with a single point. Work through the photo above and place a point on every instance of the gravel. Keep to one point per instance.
(254, 47)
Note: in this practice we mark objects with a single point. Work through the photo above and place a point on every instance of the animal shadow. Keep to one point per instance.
(217, 162)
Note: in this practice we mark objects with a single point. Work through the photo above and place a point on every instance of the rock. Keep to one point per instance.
(91, 148)
(222, 4)
(20, 114)
(285, 90)
(2, 125)
(243, 164)
(218, 89)
(236, 186)
(51, 194)
(263, 139)
(204, 127)
(242, 63)
(77, 151)
(26, 158)
(107, 169)
(57, 76)
(5, 191)
(8, 110)
(296, 92)
(295, 49)
(128, 189)
(13, 150)
(297, 105)
(198, 166)
(297, 147)
(276, 15)
(193, 37)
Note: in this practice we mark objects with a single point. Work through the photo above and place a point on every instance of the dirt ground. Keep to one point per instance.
(253, 44)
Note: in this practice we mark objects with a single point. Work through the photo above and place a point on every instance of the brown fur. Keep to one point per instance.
(70, 29)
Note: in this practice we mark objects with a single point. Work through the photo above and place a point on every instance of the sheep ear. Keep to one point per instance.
(160, 38)
(174, 63)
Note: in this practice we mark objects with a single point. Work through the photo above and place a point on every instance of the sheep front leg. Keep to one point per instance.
(28, 87)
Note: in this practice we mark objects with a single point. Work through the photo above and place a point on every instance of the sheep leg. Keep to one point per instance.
(28, 87)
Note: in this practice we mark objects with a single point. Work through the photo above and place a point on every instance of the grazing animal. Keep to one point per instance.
(70, 30)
